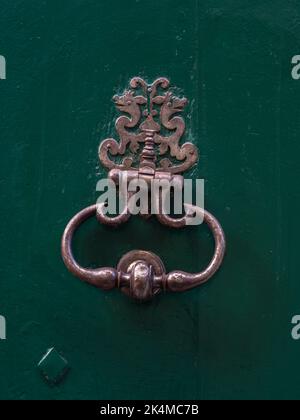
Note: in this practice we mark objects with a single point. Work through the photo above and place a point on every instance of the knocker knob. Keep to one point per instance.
(141, 275)
(141, 281)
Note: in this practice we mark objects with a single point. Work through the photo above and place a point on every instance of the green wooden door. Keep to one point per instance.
(230, 339)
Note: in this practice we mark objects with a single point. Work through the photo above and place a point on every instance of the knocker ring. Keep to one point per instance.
(141, 274)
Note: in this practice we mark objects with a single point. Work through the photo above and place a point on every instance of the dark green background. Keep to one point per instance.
(229, 339)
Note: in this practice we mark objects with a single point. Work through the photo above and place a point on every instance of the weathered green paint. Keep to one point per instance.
(229, 339)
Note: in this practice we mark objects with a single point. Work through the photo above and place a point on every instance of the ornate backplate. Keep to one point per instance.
(151, 119)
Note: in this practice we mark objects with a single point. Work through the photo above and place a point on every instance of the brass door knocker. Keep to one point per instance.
(151, 128)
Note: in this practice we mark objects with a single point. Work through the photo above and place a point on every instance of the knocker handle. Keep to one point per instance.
(141, 274)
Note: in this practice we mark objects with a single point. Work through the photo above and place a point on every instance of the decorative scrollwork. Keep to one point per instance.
(147, 117)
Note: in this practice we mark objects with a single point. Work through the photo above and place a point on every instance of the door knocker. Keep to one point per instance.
(149, 131)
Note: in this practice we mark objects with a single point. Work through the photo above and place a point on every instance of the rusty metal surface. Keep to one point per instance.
(141, 274)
